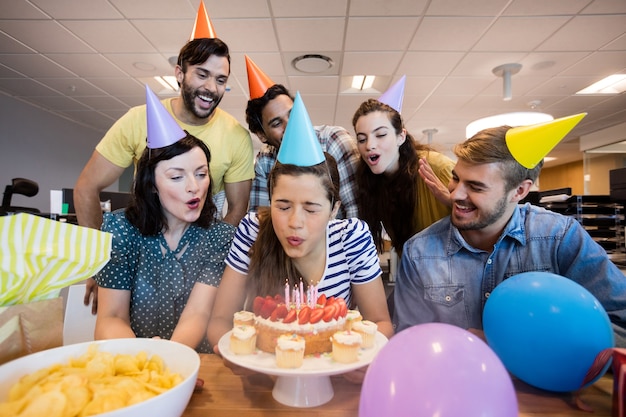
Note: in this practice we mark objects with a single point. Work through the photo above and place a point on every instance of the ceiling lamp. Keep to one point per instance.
(429, 134)
(312, 63)
(506, 119)
(505, 71)
(363, 82)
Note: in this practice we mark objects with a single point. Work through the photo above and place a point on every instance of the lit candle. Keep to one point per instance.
(287, 293)
(301, 291)
(297, 300)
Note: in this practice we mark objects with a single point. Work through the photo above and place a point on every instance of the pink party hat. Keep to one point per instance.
(202, 27)
(394, 96)
(258, 81)
(162, 128)
(530, 144)
(300, 145)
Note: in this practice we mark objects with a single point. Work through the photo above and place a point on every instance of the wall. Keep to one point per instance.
(562, 176)
(597, 167)
(43, 147)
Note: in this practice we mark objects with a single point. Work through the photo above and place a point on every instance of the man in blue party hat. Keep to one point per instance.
(267, 114)
(449, 269)
(298, 242)
(202, 72)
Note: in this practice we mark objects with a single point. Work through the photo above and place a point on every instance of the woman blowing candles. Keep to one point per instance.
(168, 250)
(298, 239)
(402, 184)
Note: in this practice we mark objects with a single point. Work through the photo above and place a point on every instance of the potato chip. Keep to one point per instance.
(93, 383)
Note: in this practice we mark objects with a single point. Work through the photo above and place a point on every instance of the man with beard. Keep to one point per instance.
(449, 269)
(202, 72)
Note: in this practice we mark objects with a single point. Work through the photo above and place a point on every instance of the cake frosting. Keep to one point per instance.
(315, 322)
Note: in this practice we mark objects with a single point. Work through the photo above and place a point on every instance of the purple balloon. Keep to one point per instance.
(437, 369)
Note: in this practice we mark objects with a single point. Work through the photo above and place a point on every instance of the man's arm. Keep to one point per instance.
(237, 198)
(97, 174)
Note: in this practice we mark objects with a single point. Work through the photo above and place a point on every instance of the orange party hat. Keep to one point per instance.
(258, 81)
(530, 144)
(202, 27)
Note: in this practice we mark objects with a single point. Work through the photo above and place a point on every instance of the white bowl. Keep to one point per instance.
(177, 357)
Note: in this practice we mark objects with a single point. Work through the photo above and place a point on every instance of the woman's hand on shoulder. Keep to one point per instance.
(434, 184)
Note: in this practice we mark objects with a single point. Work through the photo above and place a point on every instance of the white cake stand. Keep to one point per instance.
(307, 386)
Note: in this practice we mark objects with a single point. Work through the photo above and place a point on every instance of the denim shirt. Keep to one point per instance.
(442, 278)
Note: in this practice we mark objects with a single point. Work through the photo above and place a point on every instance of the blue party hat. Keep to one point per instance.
(395, 95)
(162, 128)
(300, 145)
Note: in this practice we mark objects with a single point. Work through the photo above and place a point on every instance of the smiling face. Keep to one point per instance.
(203, 86)
(378, 142)
(182, 184)
(274, 119)
(481, 205)
(300, 211)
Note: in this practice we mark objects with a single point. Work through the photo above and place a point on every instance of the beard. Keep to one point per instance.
(189, 94)
(485, 218)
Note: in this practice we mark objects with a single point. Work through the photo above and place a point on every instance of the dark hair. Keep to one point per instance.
(256, 105)
(197, 51)
(270, 267)
(390, 201)
(489, 146)
(144, 210)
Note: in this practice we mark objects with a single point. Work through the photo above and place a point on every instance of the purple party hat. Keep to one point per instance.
(162, 128)
(394, 95)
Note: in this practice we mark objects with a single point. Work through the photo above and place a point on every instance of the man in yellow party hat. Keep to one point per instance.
(202, 72)
(267, 115)
(448, 270)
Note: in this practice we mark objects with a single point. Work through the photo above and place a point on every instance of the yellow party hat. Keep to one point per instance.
(530, 144)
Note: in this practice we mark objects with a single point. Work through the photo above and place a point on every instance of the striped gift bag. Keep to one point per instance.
(39, 256)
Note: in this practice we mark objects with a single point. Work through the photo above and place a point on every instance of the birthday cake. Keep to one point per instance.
(314, 319)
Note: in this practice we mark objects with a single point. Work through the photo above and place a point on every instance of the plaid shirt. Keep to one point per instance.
(337, 142)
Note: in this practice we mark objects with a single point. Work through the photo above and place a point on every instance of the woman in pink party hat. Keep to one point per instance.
(168, 249)
(402, 184)
(298, 240)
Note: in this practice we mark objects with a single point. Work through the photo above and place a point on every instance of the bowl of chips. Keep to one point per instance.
(112, 378)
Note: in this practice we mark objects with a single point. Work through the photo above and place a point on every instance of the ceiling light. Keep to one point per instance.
(506, 119)
(168, 81)
(505, 71)
(429, 134)
(613, 84)
(363, 82)
(312, 63)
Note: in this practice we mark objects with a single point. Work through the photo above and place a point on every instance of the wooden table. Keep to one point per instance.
(226, 394)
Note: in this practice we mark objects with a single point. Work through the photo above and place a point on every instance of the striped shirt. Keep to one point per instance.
(351, 257)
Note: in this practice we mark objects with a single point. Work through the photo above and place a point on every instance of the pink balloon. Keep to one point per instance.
(437, 369)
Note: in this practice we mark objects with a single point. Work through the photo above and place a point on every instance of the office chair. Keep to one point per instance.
(20, 186)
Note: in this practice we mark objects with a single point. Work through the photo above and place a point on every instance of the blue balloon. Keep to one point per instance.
(546, 329)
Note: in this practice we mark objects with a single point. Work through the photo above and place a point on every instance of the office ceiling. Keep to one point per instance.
(88, 61)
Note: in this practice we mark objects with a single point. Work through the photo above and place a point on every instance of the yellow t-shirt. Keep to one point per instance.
(232, 158)
(429, 209)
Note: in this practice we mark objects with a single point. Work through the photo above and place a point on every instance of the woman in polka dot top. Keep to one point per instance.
(168, 251)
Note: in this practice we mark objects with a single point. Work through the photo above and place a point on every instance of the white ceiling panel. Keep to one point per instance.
(109, 49)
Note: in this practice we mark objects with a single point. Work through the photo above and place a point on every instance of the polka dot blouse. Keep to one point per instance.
(160, 280)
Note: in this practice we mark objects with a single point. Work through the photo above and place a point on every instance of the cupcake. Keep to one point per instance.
(243, 318)
(289, 351)
(346, 345)
(352, 317)
(367, 330)
(243, 340)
